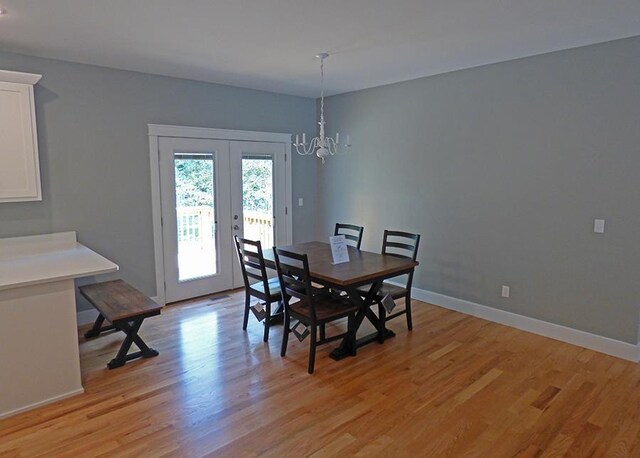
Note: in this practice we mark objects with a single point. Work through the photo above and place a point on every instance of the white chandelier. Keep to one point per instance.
(321, 145)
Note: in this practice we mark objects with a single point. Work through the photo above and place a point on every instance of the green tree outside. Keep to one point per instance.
(194, 183)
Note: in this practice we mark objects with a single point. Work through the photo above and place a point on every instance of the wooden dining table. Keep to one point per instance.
(363, 268)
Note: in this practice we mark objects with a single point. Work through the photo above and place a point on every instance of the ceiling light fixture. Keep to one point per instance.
(3, 11)
(321, 145)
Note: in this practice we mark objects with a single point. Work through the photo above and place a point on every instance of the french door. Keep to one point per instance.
(257, 195)
(211, 190)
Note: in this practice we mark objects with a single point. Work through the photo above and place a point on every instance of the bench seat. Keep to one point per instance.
(125, 308)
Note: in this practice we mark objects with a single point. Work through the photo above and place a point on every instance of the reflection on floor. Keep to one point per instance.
(456, 385)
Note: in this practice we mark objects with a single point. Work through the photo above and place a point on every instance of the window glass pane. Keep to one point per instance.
(195, 211)
(257, 199)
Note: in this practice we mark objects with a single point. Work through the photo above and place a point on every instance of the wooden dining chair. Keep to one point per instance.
(402, 245)
(351, 232)
(312, 310)
(265, 289)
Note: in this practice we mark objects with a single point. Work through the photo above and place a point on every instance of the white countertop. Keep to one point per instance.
(32, 260)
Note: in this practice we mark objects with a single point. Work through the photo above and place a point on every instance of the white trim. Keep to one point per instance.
(19, 77)
(11, 413)
(289, 191)
(595, 342)
(34, 137)
(158, 130)
(156, 212)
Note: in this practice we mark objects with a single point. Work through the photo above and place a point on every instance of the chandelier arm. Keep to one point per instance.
(303, 151)
(313, 145)
(306, 149)
(332, 146)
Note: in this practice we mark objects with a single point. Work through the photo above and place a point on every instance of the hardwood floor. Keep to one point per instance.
(454, 386)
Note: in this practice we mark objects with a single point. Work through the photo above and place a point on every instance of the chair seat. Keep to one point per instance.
(315, 290)
(327, 309)
(394, 291)
(274, 288)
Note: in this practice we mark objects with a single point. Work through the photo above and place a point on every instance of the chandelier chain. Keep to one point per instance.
(322, 90)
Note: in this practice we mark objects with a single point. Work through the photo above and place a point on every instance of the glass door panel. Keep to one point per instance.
(257, 198)
(196, 227)
(258, 194)
(195, 215)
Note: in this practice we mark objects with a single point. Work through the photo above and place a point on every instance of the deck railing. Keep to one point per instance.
(197, 225)
(259, 226)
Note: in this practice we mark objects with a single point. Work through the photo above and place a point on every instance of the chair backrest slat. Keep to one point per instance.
(402, 245)
(252, 262)
(250, 254)
(254, 275)
(253, 265)
(351, 232)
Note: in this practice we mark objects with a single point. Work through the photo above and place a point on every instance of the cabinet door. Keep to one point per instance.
(19, 167)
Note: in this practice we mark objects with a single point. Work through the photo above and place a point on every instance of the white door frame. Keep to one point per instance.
(156, 131)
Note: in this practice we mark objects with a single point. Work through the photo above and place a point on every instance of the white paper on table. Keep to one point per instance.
(339, 249)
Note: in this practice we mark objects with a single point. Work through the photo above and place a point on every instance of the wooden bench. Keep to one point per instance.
(125, 308)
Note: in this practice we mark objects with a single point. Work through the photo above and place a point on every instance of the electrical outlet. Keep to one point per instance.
(598, 226)
(505, 291)
(300, 202)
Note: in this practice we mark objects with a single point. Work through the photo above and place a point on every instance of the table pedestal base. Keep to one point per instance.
(341, 353)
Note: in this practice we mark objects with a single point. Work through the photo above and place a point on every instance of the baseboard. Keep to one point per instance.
(86, 316)
(13, 412)
(584, 339)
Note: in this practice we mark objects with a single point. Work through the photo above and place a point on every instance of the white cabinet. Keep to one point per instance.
(19, 166)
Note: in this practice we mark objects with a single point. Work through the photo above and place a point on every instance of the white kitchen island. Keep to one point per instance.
(39, 356)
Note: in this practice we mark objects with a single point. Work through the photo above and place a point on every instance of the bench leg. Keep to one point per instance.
(131, 328)
(98, 328)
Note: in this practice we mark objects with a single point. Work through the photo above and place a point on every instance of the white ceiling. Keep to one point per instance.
(270, 44)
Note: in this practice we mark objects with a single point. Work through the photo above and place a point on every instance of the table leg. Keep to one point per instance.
(364, 310)
(98, 328)
(131, 328)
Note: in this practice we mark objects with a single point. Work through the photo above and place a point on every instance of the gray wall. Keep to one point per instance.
(502, 169)
(94, 152)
